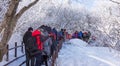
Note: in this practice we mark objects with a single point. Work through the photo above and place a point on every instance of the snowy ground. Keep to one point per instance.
(75, 53)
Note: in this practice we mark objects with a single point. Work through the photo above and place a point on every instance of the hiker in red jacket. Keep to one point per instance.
(39, 46)
(39, 42)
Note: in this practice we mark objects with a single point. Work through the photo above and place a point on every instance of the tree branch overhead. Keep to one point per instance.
(115, 2)
(25, 8)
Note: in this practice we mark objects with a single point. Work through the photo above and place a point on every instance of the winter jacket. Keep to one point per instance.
(60, 35)
(47, 46)
(47, 42)
(89, 34)
(28, 42)
(32, 47)
(80, 34)
(85, 34)
(26, 36)
(69, 36)
(53, 35)
(55, 32)
(48, 29)
(75, 35)
(39, 43)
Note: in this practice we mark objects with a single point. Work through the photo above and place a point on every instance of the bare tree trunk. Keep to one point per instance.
(10, 21)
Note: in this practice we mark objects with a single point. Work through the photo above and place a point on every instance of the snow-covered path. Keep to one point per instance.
(76, 54)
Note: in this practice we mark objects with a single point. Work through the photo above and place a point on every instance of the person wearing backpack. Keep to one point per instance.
(40, 39)
(85, 36)
(37, 35)
(55, 32)
(54, 41)
(27, 35)
(75, 35)
(80, 34)
(89, 34)
(60, 35)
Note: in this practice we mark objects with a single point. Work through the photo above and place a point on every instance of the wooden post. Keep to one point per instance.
(15, 49)
(22, 48)
(7, 55)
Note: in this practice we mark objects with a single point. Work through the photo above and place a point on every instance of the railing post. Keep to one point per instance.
(7, 55)
(15, 49)
(22, 48)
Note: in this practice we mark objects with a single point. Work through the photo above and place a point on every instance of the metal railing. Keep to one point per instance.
(15, 54)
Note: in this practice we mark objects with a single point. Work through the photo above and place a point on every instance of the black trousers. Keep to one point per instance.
(30, 61)
(45, 57)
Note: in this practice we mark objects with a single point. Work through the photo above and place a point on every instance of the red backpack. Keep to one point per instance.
(37, 34)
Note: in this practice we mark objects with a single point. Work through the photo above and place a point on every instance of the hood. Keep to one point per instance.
(36, 32)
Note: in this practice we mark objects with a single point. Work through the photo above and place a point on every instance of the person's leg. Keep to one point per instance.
(51, 50)
(27, 58)
(46, 64)
(45, 57)
(33, 61)
(38, 59)
(27, 61)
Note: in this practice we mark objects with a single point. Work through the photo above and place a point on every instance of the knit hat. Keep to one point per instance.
(30, 28)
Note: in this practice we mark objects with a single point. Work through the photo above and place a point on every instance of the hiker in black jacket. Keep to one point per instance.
(27, 35)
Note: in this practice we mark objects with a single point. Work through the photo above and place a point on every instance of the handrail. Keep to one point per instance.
(14, 60)
(22, 63)
(14, 48)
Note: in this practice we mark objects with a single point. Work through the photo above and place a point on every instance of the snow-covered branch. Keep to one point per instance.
(25, 8)
(115, 2)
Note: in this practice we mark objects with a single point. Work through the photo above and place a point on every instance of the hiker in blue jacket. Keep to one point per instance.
(80, 34)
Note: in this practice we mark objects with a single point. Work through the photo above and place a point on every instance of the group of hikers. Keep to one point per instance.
(83, 35)
(40, 44)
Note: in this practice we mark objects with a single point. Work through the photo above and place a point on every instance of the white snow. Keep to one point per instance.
(78, 42)
(75, 55)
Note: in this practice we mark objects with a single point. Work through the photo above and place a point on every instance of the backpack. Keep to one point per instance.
(85, 34)
(32, 47)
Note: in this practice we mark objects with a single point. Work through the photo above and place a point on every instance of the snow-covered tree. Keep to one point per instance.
(9, 22)
(108, 14)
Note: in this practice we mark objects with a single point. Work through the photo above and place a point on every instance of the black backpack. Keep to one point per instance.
(32, 47)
